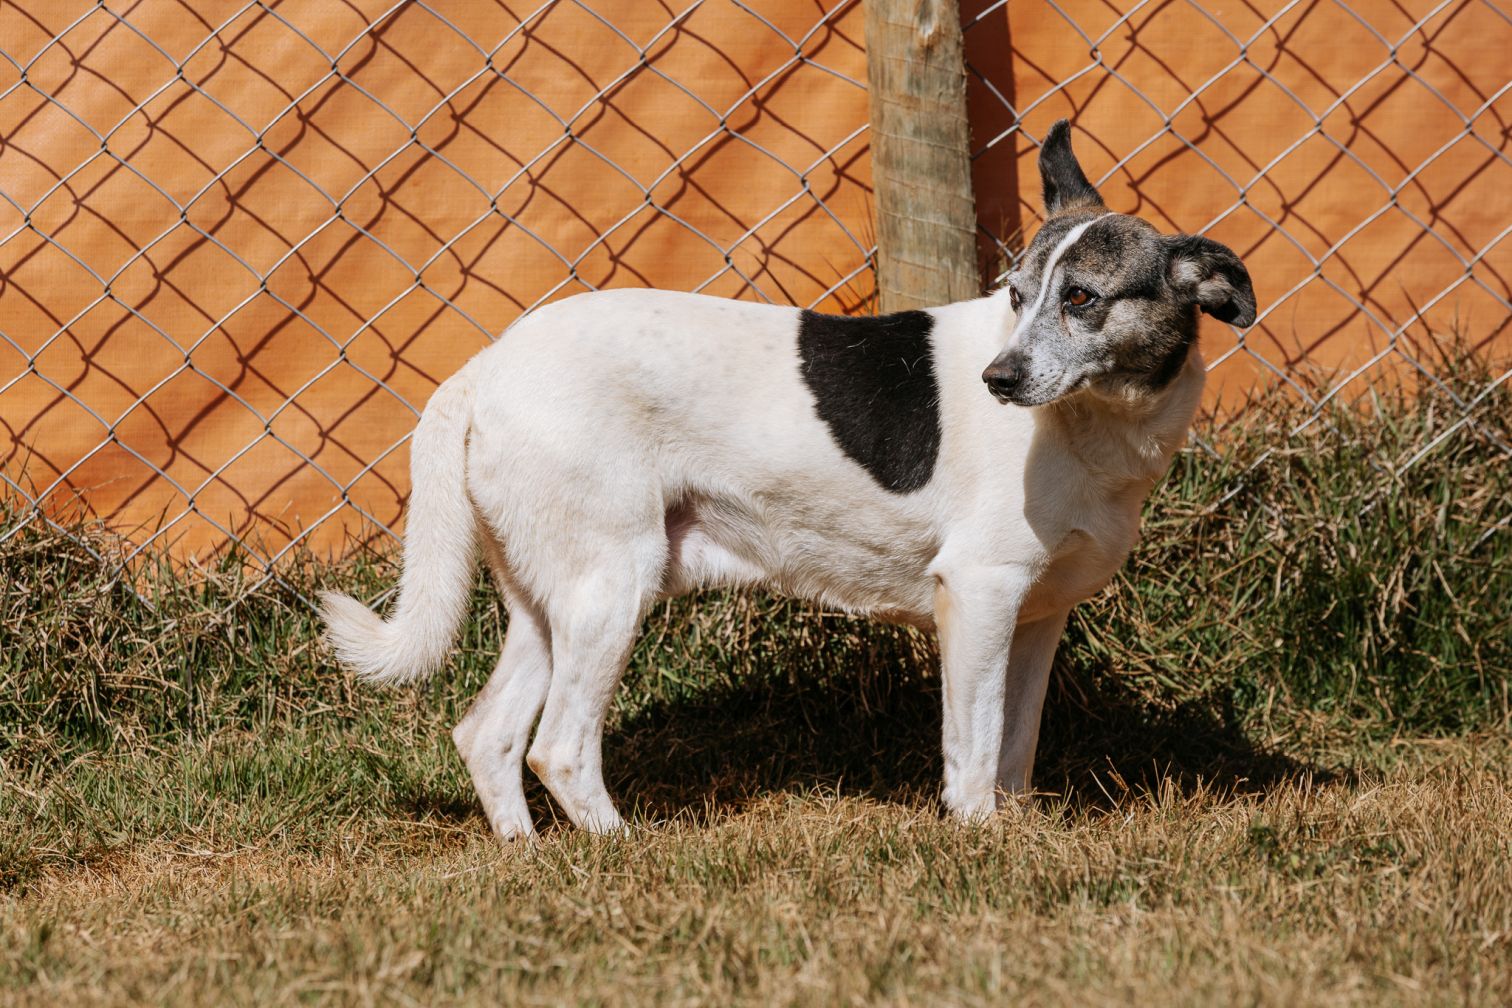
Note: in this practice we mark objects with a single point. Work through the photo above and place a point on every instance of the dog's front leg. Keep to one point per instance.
(1029, 660)
(976, 609)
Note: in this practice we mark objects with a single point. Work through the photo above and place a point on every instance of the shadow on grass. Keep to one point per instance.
(441, 806)
(813, 723)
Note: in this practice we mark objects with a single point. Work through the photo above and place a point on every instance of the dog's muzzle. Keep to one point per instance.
(1004, 377)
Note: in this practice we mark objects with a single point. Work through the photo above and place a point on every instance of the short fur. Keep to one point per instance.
(618, 448)
(874, 387)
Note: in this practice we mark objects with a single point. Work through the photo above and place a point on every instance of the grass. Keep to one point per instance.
(1389, 888)
(1276, 760)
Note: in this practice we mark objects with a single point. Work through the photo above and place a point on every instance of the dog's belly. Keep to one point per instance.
(846, 563)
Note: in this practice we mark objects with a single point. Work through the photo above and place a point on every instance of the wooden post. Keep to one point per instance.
(921, 155)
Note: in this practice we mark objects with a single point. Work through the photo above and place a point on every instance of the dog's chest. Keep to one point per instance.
(1092, 542)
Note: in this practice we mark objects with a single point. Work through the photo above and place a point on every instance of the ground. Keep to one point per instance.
(253, 880)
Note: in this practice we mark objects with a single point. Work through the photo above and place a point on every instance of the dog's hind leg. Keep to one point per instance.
(594, 619)
(492, 736)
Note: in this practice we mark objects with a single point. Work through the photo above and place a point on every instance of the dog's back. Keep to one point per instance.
(631, 415)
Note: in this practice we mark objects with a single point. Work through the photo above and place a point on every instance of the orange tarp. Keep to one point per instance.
(240, 248)
(1355, 154)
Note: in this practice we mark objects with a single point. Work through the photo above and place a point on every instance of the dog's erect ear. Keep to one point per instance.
(1213, 278)
(1066, 185)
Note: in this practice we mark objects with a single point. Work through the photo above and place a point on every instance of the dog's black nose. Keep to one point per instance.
(1003, 377)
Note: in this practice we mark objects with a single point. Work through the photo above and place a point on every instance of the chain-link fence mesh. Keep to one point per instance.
(245, 242)
(1355, 154)
(242, 242)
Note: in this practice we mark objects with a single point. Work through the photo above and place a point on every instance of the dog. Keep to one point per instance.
(975, 470)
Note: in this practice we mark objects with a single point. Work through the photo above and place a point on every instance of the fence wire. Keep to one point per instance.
(732, 169)
(1108, 61)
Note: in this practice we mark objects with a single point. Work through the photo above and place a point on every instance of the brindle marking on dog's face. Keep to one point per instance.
(1104, 300)
(1130, 329)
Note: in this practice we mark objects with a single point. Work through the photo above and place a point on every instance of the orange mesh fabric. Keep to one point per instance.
(245, 245)
(240, 247)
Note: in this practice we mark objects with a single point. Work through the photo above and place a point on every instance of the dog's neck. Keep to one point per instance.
(1130, 438)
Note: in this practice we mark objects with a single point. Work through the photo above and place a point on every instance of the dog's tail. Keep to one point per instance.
(440, 544)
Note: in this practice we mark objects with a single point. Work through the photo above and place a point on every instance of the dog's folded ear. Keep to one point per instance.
(1066, 185)
(1211, 276)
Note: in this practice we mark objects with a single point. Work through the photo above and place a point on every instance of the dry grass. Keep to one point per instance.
(1391, 887)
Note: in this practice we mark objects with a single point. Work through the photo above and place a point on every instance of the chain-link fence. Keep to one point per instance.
(1355, 154)
(242, 242)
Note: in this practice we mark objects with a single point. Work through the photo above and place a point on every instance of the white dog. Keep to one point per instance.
(618, 448)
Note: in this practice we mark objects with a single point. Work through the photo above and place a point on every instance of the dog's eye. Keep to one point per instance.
(1013, 298)
(1078, 297)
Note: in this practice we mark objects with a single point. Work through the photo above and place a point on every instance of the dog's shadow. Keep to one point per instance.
(854, 709)
(864, 719)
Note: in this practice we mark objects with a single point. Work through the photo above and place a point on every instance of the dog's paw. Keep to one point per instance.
(512, 832)
(971, 808)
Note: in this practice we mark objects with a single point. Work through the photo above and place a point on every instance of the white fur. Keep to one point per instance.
(620, 447)
(433, 595)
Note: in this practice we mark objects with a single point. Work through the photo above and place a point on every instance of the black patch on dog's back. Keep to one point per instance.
(874, 386)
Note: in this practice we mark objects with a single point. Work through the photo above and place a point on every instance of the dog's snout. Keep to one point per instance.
(1003, 377)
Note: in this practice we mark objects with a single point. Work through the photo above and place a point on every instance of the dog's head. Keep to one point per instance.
(1102, 301)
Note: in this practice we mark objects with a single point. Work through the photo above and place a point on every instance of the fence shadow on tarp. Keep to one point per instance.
(242, 243)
